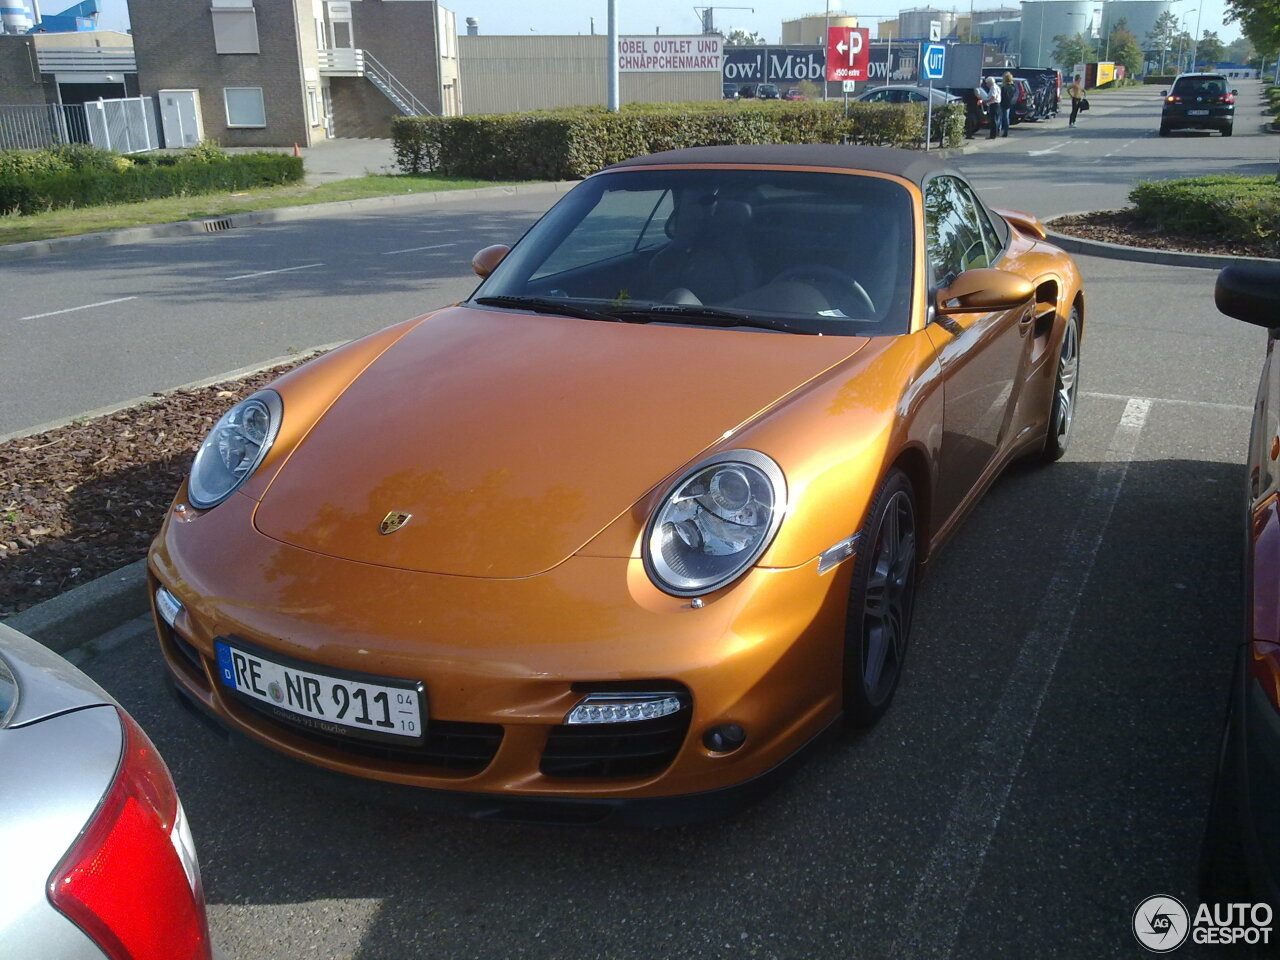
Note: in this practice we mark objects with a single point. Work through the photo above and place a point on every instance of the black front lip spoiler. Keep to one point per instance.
(644, 812)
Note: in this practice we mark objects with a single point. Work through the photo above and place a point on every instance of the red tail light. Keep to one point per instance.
(1228, 99)
(131, 881)
(1173, 99)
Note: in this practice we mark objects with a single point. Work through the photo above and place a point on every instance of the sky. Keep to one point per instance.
(677, 16)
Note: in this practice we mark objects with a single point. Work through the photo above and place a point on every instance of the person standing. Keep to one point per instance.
(1076, 92)
(991, 105)
(1008, 93)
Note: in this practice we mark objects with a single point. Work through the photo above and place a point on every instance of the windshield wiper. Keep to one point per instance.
(541, 305)
(712, 316)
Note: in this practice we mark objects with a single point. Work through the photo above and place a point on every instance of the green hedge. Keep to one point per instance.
(81, 177)
(1237, 208)
(574, 143)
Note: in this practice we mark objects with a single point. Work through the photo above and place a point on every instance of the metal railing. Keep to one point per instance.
(86, 60)
(345, 61)
(398, 93)
(125, 125)
(36, 126)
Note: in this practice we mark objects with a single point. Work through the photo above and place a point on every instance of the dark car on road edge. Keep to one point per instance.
(1198, 101)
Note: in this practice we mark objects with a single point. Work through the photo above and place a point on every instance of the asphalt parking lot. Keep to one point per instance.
(1045, 766)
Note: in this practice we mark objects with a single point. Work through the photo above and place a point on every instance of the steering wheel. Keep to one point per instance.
(842, 281)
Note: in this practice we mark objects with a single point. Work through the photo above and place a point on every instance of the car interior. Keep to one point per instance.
(761, 248)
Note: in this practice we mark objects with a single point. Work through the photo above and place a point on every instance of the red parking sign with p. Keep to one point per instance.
(848, 52)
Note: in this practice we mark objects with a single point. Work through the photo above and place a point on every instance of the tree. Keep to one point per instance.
(1163, 37)
(1239, 51)
(1211, 51)
(1122, 47)
(1070, 50)
(740, 38)
(1259, 21)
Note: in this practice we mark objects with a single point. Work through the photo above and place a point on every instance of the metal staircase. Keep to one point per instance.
(393, 89)
(347, 62)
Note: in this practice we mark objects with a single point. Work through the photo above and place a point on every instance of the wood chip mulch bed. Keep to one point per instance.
(83, 500)
(1120, 226)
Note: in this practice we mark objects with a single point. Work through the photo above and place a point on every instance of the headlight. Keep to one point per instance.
(714, 522)
(234, 449)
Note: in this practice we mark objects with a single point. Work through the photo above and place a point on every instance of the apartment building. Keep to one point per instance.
(277, 72)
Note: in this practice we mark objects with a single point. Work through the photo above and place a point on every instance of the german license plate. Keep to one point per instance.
(346, 704)
(1197, 113)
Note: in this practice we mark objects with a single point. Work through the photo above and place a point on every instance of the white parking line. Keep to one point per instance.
(1185, 403)
(87, 306)
(932, 921)
(263, 273)
(438, 246)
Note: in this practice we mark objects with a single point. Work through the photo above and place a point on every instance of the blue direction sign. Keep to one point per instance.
(935, 61)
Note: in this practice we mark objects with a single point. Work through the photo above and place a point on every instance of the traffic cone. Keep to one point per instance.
(296, 151)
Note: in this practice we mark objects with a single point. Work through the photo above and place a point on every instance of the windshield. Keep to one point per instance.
(828, 253)
(1200, 87)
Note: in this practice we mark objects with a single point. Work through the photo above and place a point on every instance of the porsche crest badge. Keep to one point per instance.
(393, 521)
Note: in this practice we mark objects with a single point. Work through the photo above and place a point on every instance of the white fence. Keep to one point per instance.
(127, 125)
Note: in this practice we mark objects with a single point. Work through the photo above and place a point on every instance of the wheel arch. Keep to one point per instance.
(913, 462)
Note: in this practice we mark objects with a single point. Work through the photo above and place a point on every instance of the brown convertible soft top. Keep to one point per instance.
(909, 164)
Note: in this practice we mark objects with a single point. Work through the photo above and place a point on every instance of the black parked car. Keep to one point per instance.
(1045, 88)
(729, 91)
(1198, 101)
(768, 91)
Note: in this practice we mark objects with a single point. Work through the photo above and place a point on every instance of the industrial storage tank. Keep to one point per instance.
(1006, 34)
(813, 28)
(995, 14)
(914, 24)
(14, 16)
(1046, 19)
(1141, 16)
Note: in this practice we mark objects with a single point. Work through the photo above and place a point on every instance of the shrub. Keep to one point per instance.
(1237, 208)
(29, 191)
(576, 142)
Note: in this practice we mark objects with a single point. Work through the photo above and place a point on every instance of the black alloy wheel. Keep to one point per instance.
(881, 601)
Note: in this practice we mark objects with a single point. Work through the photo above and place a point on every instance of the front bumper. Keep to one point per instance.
(504, 661)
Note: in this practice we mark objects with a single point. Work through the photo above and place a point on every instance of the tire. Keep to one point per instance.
(1223, 873)
(1226, 131)
(1164, 129)
(1066, 385)
(881, 602)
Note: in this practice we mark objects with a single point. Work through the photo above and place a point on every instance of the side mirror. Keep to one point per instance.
(1235, 93)
(484, 262)
(1164, 93)
(982, 291)
(1250, 292)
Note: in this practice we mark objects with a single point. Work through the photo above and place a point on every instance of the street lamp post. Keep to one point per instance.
(1040, 40)
(613, 56)
(1195, 47)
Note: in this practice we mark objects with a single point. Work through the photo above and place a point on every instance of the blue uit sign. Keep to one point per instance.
(935, 61)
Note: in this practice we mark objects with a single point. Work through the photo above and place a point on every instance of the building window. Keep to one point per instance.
(244, 107)
(235, 26)
(313, 106)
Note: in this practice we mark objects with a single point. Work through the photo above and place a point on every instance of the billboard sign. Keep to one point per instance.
(894, 63)
(774, 64)
(659, 54)
(847, 53)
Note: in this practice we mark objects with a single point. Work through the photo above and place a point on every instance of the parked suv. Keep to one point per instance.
(1198, 101)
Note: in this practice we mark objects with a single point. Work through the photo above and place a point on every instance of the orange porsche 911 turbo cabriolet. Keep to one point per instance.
(626, 529)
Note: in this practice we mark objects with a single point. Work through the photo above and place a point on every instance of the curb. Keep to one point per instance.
(1170, 258)
(184, 228)
(237, 374)
(70, 619)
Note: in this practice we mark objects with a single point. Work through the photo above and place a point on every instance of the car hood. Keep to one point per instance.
(513, 438)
